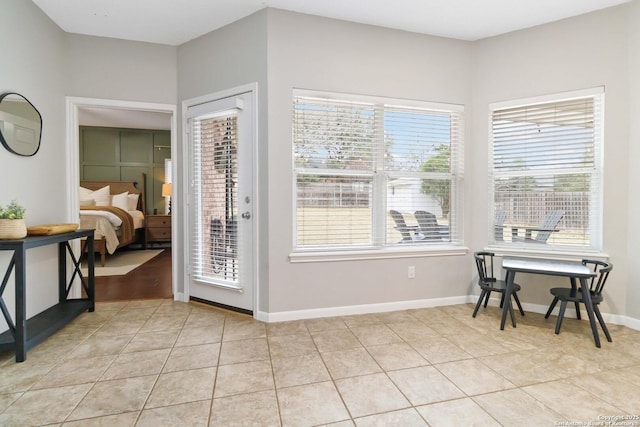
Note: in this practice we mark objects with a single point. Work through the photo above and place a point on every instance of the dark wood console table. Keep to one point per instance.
(25, 334)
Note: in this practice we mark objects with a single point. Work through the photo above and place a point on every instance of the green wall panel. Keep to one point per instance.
(161, 147)
(136, 147)
(99, 145)
(101, 173)
(113, 154)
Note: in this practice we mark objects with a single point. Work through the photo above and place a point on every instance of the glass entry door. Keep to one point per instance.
(221, 223)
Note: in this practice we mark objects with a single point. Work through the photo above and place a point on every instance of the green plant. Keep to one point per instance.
(12, 211)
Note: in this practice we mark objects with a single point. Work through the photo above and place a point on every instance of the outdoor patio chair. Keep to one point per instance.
(409, 234)
(501, 216)
(428, 225)
(596, 285)
(543, 232)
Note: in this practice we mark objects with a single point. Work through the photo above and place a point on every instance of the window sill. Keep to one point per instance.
(546, 253)
(387, 253)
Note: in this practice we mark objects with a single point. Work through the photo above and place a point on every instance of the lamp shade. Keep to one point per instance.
(166, 190)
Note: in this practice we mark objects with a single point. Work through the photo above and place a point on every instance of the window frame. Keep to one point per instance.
(596, 178)
(379, 248)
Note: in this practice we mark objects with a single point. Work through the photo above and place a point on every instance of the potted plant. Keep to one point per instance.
(12, 225)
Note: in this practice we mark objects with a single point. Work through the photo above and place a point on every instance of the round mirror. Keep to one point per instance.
(20, 124)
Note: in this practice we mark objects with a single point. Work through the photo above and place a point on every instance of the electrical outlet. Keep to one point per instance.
(411, 273)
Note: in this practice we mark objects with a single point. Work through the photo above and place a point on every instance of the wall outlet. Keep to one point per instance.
(411, 273)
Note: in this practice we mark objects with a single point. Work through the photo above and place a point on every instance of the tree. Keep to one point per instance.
(439, 189)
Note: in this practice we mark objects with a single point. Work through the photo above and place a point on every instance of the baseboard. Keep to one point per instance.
(570, 312)
(315, 313)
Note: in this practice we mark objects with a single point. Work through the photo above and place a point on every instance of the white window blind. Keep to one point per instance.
(358, 159)
(214, 248)
(546, 163)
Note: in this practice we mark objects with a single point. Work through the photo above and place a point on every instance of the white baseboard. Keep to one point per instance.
(180, 296)
(315, 313)
(570, 312)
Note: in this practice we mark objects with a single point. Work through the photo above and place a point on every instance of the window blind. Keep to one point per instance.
(355, 161)
(214, 145)
(546, 171)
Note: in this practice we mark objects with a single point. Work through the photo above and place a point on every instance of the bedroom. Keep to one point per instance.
(131, 150)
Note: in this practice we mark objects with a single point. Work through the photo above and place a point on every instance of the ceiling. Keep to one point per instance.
(174, 22)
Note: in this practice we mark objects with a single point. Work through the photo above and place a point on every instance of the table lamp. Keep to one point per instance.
(166, 192)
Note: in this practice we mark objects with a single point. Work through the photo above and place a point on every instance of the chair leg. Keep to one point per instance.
(501, 300)
(563, 307)
(486, 298)
(596, 310)
(551, 307)
(475, 310)
(577, 310)
(515, 297)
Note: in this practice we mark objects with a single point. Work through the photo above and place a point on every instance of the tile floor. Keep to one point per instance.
(163, 363)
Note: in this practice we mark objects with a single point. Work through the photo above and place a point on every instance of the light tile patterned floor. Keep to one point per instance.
(163, 363)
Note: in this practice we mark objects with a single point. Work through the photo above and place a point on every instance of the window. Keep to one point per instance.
(546, 171)
(358, 159)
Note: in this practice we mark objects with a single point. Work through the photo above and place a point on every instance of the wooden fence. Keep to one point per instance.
(532, 207)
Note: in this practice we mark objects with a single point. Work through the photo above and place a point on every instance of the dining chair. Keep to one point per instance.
(488, 283)
(575, 295)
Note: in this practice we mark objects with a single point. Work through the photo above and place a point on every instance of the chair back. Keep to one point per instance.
(401, 224)
(550, 222)
(428, 225)
(602, 270)
(484, 264)
(501, 216)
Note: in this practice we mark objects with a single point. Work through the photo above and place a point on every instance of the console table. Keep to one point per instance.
(24, 334)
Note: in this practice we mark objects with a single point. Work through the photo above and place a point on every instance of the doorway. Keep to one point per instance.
(220, 143)
(116, 109)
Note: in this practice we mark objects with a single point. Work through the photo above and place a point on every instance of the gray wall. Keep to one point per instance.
(587, 51)
(632, 279)
(32, 52)
(324, 54)
(232, 56)
(98, 67)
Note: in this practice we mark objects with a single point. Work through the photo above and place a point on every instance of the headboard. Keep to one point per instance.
(117, 187)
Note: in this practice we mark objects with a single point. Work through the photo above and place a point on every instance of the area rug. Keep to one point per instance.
(121, 262)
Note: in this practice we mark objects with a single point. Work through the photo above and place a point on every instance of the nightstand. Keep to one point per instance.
(158, 228)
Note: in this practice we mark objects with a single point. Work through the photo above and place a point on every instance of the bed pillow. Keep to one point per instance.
(120, 201)
(85, 193)
(101, 196)
(87, 202)
(132, 200)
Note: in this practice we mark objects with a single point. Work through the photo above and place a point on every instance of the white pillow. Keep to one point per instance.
(132, 200)
(101, 196)
(85, 193)
(87, 202)
(120, 201)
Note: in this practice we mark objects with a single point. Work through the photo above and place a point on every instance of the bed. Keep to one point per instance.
(115, 210)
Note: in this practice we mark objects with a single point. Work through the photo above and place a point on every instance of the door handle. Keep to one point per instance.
(246, 215)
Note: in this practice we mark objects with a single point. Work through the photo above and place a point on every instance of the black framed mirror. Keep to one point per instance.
(20, 124)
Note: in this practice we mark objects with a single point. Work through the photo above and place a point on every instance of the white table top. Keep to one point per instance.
(545, 266)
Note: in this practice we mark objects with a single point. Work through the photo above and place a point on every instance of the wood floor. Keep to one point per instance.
(151, 280)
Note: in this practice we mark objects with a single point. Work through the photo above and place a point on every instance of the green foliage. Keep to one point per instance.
(12, 211)
(571, 183)
(439, 189)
